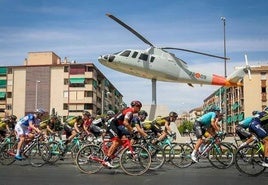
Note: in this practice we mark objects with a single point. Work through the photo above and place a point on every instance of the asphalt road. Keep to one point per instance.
(66, 173)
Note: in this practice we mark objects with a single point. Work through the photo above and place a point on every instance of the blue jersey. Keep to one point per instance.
(206, 118)
(246, 122)
(25, 120)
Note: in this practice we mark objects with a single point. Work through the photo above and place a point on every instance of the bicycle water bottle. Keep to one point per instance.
(202, 148)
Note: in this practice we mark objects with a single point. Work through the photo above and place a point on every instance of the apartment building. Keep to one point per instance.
(45, 81)
(241, 101)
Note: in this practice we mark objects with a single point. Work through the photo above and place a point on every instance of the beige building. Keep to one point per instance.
(45, 81)
(241, 101)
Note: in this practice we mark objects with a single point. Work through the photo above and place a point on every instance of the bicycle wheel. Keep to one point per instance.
(157, 155)
(180, 155)
(7, 153)
(167, 149)
(89, 158)
(39, 154)
(55, 151)
(221, 156)
(135, 162)
(248, 160)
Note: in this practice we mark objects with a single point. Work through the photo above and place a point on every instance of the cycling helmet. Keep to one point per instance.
(136, 103)
(143, 113)
(173, 114)
(110, 113)
(86, 113)
(40, 111)
(216, 108)
(13, 117)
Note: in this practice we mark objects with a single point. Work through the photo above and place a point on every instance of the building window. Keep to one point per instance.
(88, 93)
(263, 89)
(66, 69)
(9, 94)
(88, 106)
(66, 81)
(65, 106)
(9, 107)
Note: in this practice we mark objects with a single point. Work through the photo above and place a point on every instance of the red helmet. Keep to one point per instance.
(136, 103)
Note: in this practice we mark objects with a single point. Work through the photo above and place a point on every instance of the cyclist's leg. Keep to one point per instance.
(20, 133)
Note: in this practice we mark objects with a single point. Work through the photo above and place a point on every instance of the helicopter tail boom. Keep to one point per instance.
(234, 79)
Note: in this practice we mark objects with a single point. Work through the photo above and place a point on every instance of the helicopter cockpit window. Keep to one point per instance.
(125, 53)
(143, 57)
(134, 55)
(152, 59)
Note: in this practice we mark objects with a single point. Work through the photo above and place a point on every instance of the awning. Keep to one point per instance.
(77, 80)
(3, 83)
(2, 95)
(3, 70)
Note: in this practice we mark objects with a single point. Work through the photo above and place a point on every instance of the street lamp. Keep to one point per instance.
(102, 100)
(224, 45)
(225, 70)
(36, 92)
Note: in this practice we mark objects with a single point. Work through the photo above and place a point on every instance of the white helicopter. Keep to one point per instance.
(158, 64)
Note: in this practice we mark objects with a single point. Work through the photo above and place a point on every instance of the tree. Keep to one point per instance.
(186, 125)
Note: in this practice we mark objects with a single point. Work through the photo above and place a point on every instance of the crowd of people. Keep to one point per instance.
(130, 120)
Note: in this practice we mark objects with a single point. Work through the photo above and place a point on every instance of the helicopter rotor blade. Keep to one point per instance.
(130, 29)
(197, 52)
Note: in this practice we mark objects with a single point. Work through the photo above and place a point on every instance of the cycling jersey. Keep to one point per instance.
(125, 114)
(160, 121)
(26, 120)
(206, 119)
(246, 122)
(2, 125)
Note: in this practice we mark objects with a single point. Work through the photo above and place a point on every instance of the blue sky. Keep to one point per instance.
(79, 30)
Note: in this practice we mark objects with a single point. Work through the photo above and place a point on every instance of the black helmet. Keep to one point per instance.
(173, 114)
(143, 113)
(136, 103)
(13, 117)
(86, 113)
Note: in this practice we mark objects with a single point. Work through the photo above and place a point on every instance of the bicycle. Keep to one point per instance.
(36, 151)
(220, 155)
(157, 152)
(134, 159)
(248, 158)
(59, 149)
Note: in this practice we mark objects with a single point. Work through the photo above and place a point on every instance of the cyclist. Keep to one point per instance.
(114, 130)
(72, 127)
(49, 125)
(208, 122)
(163, 121)
(87, 122)
(242, 132)
(24, 126)
(136, 122)
(109, 116)
(257, 125)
